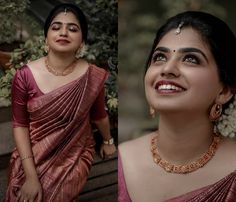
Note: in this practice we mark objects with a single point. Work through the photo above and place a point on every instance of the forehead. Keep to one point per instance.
(188, 37)
(69, 17)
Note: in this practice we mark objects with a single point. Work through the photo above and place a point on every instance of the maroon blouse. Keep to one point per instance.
(24, 88)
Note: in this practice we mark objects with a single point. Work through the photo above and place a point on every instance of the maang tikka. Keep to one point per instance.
(178, 30)
(65, 11)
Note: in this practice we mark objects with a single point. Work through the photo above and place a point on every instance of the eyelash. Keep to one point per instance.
(193, 59)
(189, 58)
(72, 29)
(156, 56)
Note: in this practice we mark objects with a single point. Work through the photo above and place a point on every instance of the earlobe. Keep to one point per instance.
(225, 95)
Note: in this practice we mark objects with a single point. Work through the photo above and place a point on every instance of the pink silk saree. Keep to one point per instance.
(61, 138)
(222, 191)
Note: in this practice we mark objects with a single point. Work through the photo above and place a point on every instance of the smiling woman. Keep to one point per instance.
(54, 101)
(190, 79)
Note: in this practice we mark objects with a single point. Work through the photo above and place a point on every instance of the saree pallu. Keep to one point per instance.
(221, 191)
(61, 138)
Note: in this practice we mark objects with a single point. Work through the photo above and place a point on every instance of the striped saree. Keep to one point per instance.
(61, 138)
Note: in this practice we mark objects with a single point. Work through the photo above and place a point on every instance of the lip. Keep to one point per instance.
(161, 88)
(62, 41)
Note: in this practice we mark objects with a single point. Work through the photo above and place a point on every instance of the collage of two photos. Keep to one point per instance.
(107, 100)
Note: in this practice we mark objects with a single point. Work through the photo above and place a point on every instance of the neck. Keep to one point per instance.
(60, 62)
(183, 139)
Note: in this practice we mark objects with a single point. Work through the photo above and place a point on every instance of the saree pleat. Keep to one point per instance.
(221, 191)
(61, 138)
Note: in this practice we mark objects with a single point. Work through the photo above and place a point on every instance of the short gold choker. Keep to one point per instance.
(187, 168)
(70, 68)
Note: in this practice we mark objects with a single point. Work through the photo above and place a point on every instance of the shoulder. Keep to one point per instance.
(136, 150)
(33, 65)
(95, 68)
(226, 154)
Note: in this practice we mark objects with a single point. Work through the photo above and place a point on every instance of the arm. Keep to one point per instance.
(103, 126)
(32, 187)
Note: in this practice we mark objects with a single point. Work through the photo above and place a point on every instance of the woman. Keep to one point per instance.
(190, 76)
(54, 99)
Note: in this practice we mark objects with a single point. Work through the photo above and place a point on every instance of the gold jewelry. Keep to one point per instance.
(215, 112)
(152, 112)
(187, 168)
(68, 69)
(81, 52)
(27, 157)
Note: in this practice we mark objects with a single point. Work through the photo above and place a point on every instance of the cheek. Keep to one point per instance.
(207, 86)
(149, 81)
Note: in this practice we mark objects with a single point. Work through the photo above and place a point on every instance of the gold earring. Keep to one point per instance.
(46, 47)
(215, 112)
(81, 51)
(152, 112)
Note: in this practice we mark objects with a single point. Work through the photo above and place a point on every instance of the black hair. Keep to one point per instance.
(69, 8)
(216, 33)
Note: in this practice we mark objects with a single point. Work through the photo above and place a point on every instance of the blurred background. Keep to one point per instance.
(138, 22)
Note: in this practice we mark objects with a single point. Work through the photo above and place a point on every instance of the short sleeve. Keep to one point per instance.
(98, 109)
(20, 114)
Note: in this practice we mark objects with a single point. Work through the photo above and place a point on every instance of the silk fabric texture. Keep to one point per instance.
(221, 191)
(61, 138)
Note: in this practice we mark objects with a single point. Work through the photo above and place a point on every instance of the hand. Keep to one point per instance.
(107, 150)
(30, 191)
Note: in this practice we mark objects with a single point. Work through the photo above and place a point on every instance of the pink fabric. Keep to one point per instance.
(61, 138)
(123, 195)
(221, 191)
(25, 88)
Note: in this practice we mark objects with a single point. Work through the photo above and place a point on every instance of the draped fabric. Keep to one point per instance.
(222, 191)
(61, 138)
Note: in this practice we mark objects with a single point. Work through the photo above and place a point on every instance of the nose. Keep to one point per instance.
(170, 69)
(63, 31)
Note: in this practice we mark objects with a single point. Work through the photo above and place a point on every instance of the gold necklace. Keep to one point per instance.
(68, 69)
(187, 168)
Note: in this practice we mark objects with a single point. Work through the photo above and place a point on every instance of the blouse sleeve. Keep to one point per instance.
(123, 195)
(98, 109)
(20, 114)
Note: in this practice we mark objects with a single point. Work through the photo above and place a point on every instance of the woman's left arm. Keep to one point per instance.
(103, 126)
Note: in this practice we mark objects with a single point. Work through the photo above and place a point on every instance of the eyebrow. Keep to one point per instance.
(70, 23)
(182, 50)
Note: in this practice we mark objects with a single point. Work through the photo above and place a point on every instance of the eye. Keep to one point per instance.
(73, 28)
(191, 59)
(55, 27)
(159, 57)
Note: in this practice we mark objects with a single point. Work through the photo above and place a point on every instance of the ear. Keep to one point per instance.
(225, 95)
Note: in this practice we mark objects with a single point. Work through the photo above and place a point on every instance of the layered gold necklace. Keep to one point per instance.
(187, 168)
(70, 68)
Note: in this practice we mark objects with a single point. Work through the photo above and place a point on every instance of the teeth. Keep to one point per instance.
(168, 87)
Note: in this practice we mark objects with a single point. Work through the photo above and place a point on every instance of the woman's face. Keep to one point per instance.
(183, 74)
(64, 34)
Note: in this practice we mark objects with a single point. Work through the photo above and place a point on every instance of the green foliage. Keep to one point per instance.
(102, 18)
(11, 14)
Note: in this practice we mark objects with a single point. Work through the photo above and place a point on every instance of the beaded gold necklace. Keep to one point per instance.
(68, 69)
(187, 168)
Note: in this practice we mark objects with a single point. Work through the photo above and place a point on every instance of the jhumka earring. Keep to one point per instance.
(81, 51)
(46, 48)
(152, 112)
(178, 30)
(215, 112)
